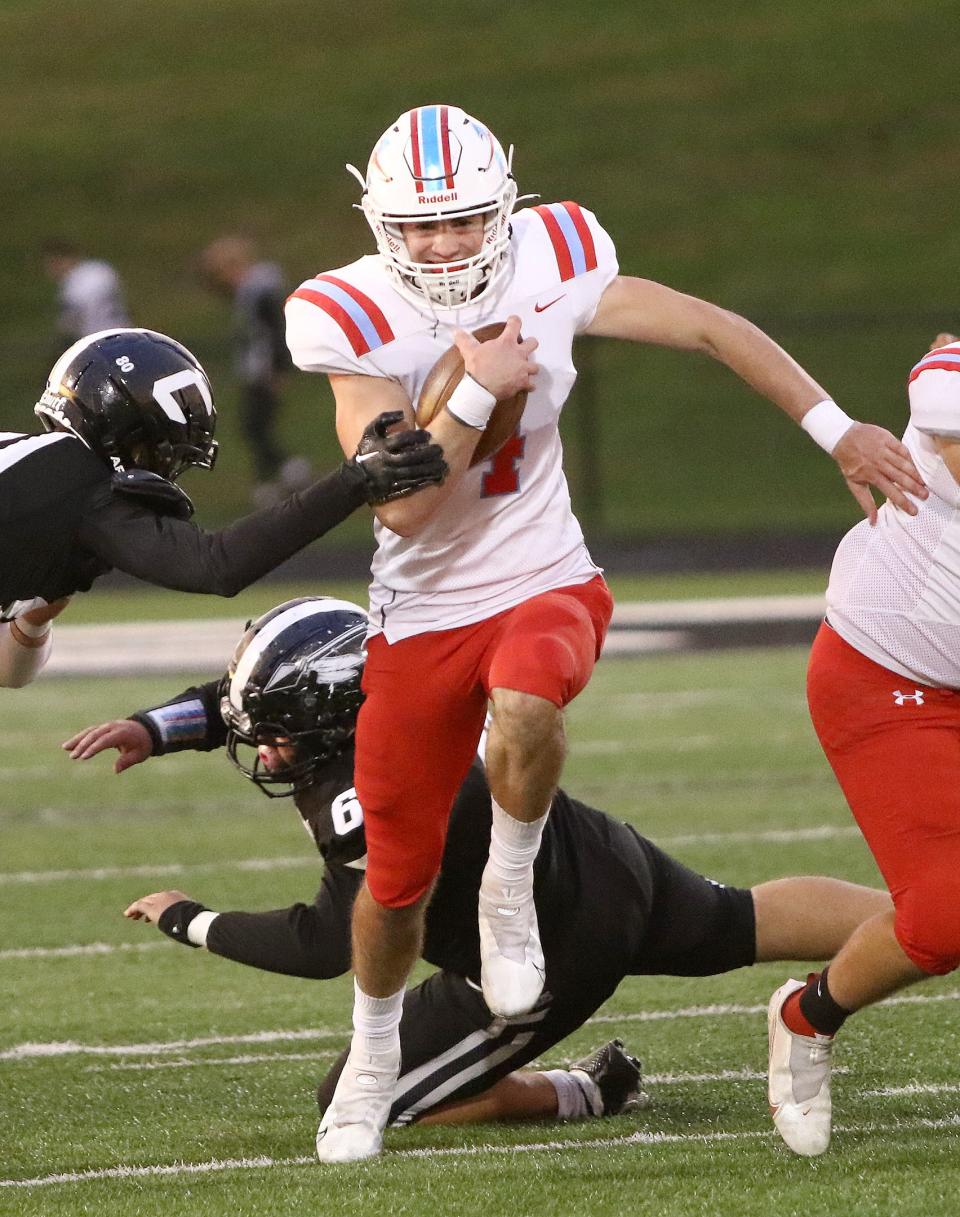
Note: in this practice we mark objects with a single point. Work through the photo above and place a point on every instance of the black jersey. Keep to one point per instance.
(65, 519)
(609, 902)
(46, 484)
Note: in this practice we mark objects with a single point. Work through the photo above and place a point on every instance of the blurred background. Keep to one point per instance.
(793, 160)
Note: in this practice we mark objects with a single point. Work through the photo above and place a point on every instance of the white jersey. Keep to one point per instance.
(91, 299)
(507, 531)
(894, 590)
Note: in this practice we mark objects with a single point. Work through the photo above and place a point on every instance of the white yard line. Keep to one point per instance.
(182, 1062)
(73, 952)
(160, 868)
(914, 1088)
(823, 832)
(468, 1151)
(30, 1051)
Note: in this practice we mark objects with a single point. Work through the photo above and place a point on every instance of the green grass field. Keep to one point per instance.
(176, 1083)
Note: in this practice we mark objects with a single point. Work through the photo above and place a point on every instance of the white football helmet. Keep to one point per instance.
(438, 163)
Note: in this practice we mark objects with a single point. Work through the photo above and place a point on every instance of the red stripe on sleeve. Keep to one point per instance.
(583, 232)
(943, 365)
(338, 313)
(370, 307)
(445, 145)
(559, 242)
(415, 147)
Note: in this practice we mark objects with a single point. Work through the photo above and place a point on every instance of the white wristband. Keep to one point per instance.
(30, 630)
(199, 927)
(471, 404)
(826, 424)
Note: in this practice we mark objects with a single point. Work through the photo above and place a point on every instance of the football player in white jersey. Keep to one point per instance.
(483, 590)
(883, 685)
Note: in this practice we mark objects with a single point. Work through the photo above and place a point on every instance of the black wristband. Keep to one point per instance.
(143, 718)
(175, 920)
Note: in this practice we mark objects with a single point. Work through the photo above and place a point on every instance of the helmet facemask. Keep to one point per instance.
(437, 163)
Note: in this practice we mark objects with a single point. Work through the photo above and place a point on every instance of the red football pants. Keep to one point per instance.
(895, 748)
(426, 698)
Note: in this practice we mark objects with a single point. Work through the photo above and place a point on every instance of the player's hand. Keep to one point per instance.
(150, 908)
(46, 612)
(396, 464)
(131, 739)
(942, 340)
(503, 365)
(872, 456)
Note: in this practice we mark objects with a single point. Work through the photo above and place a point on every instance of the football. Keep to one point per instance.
(444, 377)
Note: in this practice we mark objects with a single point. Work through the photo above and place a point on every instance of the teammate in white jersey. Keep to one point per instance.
(483, 590)
(883, 685)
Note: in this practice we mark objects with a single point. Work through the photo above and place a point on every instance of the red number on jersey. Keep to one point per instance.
(503, 476)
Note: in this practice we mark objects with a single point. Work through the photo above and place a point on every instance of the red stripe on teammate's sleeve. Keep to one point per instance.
(370, 307)
(559, 242)
(583, 232)
(339, 314)
(943, 364)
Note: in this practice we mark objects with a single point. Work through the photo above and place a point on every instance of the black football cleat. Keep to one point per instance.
(611, 1080)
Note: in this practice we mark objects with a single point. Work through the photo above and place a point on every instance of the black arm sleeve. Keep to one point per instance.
(309, 940)
(177, 554)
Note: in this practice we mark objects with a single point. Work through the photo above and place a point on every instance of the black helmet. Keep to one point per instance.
(136, 398)
(295, 677)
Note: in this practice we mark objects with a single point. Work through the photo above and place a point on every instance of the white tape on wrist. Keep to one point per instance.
(29, 630)
(826, 424)
(199, 927)
(471, 404)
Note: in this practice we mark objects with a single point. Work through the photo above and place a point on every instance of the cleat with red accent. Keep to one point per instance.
(798, 1079)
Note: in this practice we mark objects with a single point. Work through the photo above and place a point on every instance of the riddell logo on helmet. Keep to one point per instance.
(439, 198)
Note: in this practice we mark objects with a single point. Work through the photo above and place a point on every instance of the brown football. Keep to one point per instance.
(444, 377)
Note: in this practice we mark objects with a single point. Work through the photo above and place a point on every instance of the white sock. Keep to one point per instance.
(514, 846)
(376, 1022)
(572, 1101)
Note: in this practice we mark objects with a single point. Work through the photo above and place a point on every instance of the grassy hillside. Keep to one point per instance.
(791, 160)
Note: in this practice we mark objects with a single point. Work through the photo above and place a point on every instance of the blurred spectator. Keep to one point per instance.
(89, 295)
(231, 267)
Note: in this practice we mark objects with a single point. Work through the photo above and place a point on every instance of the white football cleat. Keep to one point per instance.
(798, 1080)
(512, 968)
(352, 1126)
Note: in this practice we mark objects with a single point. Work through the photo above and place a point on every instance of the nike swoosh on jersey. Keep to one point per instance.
(542, 308)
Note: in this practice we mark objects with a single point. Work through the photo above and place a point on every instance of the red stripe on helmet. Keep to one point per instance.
(370, 307)
(445, 145)
(575, 213)
(559, 242)
(339, 315)
(415, 145)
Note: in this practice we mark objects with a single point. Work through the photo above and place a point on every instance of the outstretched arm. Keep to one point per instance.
(191, 720)
(643, 311)
(308, 940)
(174, 553)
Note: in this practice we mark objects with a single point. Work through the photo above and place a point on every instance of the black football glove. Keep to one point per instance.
(396, 465)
